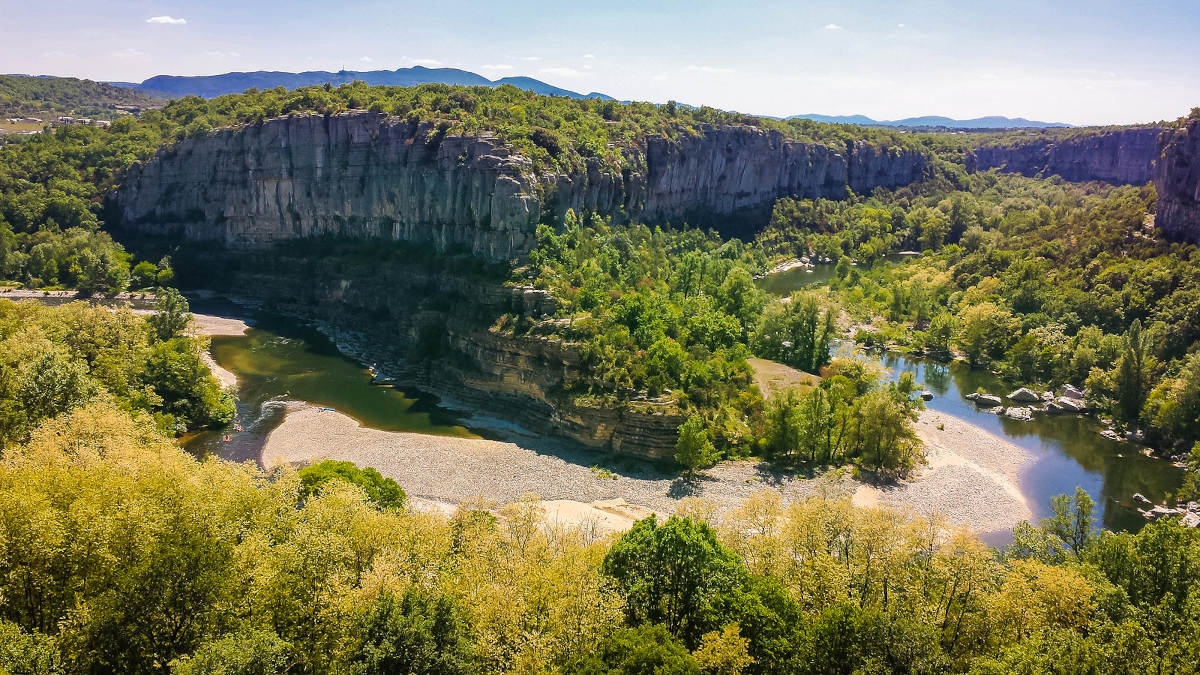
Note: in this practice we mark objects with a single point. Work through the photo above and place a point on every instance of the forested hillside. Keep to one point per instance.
(1047, 283)
(20, 95)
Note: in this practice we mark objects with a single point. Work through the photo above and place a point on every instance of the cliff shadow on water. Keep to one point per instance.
(433, 322)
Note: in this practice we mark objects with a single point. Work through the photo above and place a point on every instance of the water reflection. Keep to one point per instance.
(1068, 449)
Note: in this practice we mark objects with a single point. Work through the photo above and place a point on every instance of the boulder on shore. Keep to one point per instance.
(1068, 391)
(1024, 395)
(926, 395)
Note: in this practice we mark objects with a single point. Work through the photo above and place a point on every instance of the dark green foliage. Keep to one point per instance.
(417, 634)
(190, 395)
(694, 449)
(385, 493)
(252, 652)
(798, 333)
(671, 573)
(648, 649)
(1048, 283)
(67, 95)
(660, 314)
(850, 416)
(171, 315)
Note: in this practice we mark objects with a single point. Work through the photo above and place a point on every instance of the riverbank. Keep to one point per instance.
(209, 325)
(971, 478)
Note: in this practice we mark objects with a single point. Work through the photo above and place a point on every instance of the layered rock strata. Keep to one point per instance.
(433, 326)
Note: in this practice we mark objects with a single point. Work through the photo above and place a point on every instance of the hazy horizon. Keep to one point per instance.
(1074, 62)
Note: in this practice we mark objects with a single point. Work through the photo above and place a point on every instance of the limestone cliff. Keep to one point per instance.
(365, 175)
(1177, 179)
(1118, 156)
(263, 192)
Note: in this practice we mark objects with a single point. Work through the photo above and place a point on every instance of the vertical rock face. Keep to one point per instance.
(1120, 156)
(353, 175)
(364, 175)
(1177, 179)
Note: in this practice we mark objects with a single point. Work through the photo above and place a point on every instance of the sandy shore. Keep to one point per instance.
(971, 478)
(207, 324)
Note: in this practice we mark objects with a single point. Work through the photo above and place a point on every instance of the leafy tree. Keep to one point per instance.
(694, 448)
(648, 649)
(670, 573)
(251, 652)
(171, 316)
(798, 332)
(417, 634)
(1133, 373)
(984, 331)
(383, 492)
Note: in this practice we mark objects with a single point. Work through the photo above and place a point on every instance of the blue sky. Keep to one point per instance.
(1071, 61)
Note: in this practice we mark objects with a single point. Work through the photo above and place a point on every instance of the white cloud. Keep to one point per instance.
(495, 66)
(224, 55)
(832, 26)
(366, 59)
(423, 62)
(530, 58)
(899, 25)
(659, 77)
(561, 72)
(54, 54)
(707, 69)
(130, 53)
(166, 19)
(589, 56)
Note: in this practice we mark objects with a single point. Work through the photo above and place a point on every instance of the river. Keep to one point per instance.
(1068, 449)
(278, 360)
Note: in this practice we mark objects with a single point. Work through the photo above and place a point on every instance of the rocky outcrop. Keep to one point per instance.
(365, 175)
(1177, 179)
(1118, 156)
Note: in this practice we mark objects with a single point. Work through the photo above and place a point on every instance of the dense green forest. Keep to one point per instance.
(21, 95)
(1046, 282)
(54, 359)
(669, 317)
(120, 552)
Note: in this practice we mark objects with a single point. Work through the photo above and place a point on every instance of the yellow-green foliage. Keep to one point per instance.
(53, 359)
(121, 553)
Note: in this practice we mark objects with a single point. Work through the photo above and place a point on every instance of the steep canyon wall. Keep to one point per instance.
(1177, 179)
(365, 175)
(1118, 156)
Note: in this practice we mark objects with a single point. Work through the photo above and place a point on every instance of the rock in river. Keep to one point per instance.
(1024, 395)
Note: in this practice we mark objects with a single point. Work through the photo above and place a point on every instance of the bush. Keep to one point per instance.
(383, 492)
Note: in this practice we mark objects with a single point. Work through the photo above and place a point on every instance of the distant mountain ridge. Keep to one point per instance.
(989, 122)
(210, 86)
